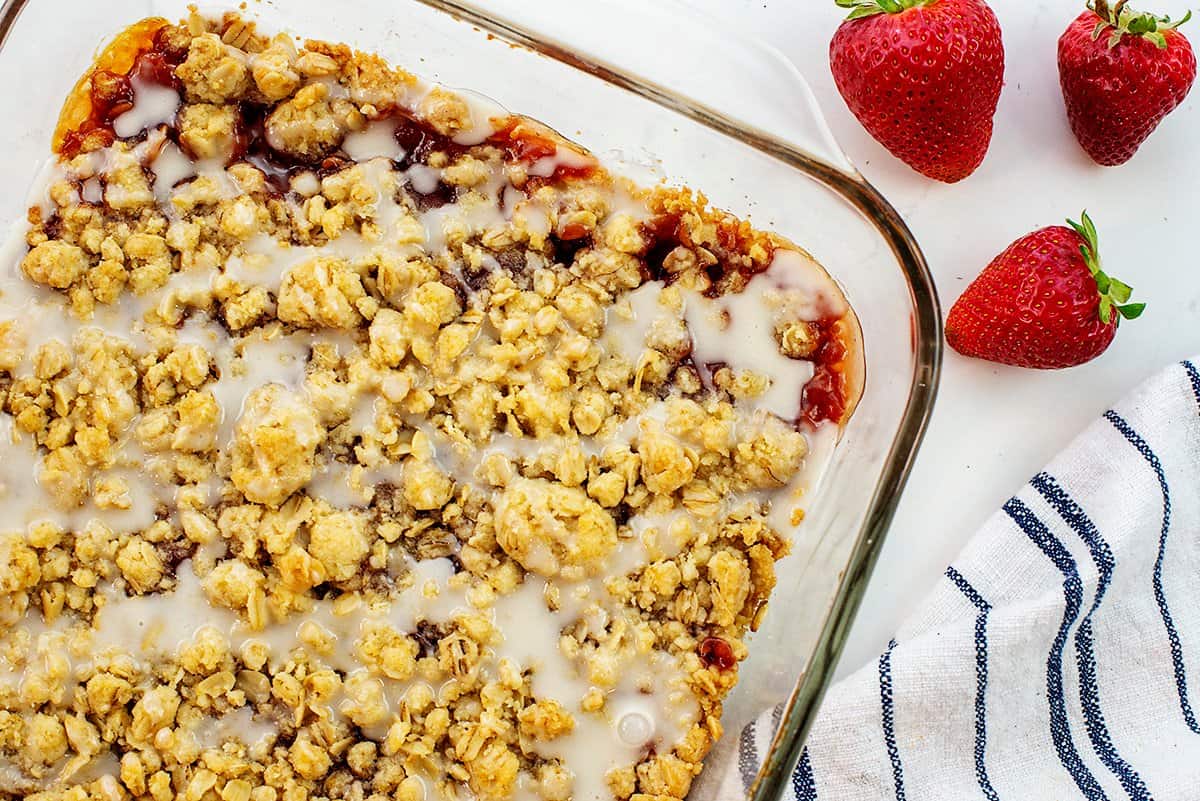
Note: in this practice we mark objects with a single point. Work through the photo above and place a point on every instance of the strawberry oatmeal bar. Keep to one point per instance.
(364, 441)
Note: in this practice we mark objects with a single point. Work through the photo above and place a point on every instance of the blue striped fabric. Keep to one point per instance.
(748, 753)
(1055, 661)
(1060, 728)
(981, 680)
(1089, 692)
(888, 712)
(1194, 375)
(803, 783)
(1135, 439)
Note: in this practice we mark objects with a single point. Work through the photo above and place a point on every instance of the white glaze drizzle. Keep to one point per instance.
(153, 105)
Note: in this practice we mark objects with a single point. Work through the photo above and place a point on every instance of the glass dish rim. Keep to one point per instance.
(926, 328)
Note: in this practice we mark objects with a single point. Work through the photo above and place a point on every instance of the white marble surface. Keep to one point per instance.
(994, 427)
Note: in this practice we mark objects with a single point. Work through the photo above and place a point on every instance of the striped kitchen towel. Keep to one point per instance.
(1059, 658)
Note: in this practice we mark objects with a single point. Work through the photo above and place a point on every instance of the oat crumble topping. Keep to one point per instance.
(359, 440)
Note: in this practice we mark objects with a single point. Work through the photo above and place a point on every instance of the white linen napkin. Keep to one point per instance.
(1059, 658)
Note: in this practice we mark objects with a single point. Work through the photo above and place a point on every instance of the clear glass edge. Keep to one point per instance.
(802, 123)
(802, 707)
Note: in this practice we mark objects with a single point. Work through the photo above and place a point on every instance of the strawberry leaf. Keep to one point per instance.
(1121, 292)
(861, 9)
(1124, 21)
(1114, 293)
(1141, 25)
(1092, 266)
(1090, 249)
(1092, 235)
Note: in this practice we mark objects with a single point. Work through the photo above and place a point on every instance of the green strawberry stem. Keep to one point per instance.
(1124, 21)
(869, 8)
(1114, 294)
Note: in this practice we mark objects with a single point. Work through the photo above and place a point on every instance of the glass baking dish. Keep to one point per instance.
(660, 94)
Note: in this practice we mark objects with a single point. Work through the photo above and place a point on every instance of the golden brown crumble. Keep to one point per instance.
(377, 478)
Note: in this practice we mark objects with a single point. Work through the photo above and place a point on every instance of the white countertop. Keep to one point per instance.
(995, 427)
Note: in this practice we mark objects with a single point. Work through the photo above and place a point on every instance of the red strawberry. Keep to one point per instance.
(924, 78)
(1122, 72)
(1043, 303)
